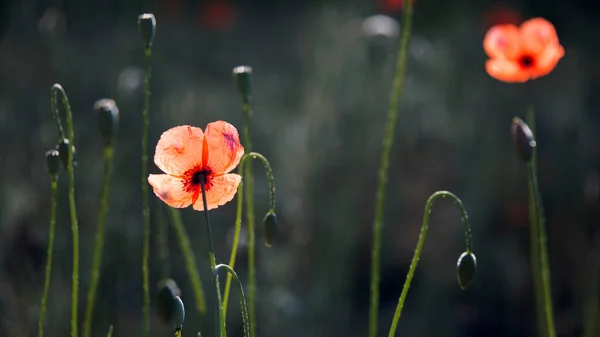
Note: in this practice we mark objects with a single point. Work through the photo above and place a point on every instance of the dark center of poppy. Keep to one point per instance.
(526, 61)
(201, 176)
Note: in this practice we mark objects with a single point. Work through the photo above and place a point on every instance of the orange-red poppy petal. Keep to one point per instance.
(502, 41)
(537, 34)
(222, 191)
(506, 71)
(170, 190)
(223, 150)
(546, 61)
(179, 149)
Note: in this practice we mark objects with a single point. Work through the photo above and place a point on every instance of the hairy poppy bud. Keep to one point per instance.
(108, 119)
(523, 139)
(63, 152)
(167, 292)
(179, 314)
(53, 163)
(147, 28)
(465, 268)
(270, 223)
(243, 77)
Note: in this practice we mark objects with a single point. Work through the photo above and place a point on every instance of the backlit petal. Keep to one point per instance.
(537, 34)
(547, 61)
(506, 71)
(223, 148)
(222, 191)
(179, 149)
(502, 41)
(170, 190)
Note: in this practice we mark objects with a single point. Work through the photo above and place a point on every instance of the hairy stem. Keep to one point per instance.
(54, 197)
(145, 207)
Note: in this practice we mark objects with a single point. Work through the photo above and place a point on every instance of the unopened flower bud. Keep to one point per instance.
(63, 151)
(523, 139)
(465, 268)
(179, 314)
(243, 77)
(270, 223)
(166, 306)
(53, 163)
(147, 28)
(108, 119)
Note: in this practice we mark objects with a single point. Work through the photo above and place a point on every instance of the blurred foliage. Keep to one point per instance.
(321, 87)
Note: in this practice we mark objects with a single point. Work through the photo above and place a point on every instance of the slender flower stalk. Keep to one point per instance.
(421, 242)
(100, 233)
(110, 331)
(243, 302)
(384, 166)
(591, 315)
(190, 261)
(52, 159)
(147, 27)
(58, 89)
(238, 220)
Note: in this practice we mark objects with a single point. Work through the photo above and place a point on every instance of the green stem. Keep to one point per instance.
(53, 198)
(57, 88)
(190, 260)
(421, 242)
(100, 231)
(384, 166)
(243, 302)
(591, 317)
(178, 333)
(145, 207)
(213, 264)
(247, 108)
(110, 331)
(238, 217)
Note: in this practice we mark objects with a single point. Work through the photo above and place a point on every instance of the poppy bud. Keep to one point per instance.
(270, 223)
(243, 77)
(179, 314)
(147, 28)
(465, 268)
(63, 152)
(53, 163)
(523, 139)
(108, 119)
(166, 306)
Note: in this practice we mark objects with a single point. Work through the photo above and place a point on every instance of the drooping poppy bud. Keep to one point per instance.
(523, 139)
(147, 28)
(166, 306)
(108, 119)
(63, 151)
(243, 77)
(179, 313)
(270, 223)
(53, 163)
(465, 268)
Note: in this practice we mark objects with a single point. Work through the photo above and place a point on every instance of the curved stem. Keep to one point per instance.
(53, 198)
(238, 218)
(213, 264)
(178, 333)
(145, 207)
(384, 165)
(190, 260)
(110, 331)
(243, 303)
(421, 242)
(100, 231)
(58, 89)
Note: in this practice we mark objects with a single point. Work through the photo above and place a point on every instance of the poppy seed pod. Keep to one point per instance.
(147, 28)
(270, 223)
(166, 306)
(243, 77)
(465, 269)
(63, 152)
(523, 139)
(53, 163)
(108, 119)
(179, 314)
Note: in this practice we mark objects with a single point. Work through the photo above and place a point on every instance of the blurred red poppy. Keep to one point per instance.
(217, 14)
(392, 5)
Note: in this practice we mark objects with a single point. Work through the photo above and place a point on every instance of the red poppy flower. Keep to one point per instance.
(188, 156)
(518, 54)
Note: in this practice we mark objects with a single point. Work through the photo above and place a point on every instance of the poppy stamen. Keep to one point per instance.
(201, 174)
(526, 61)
